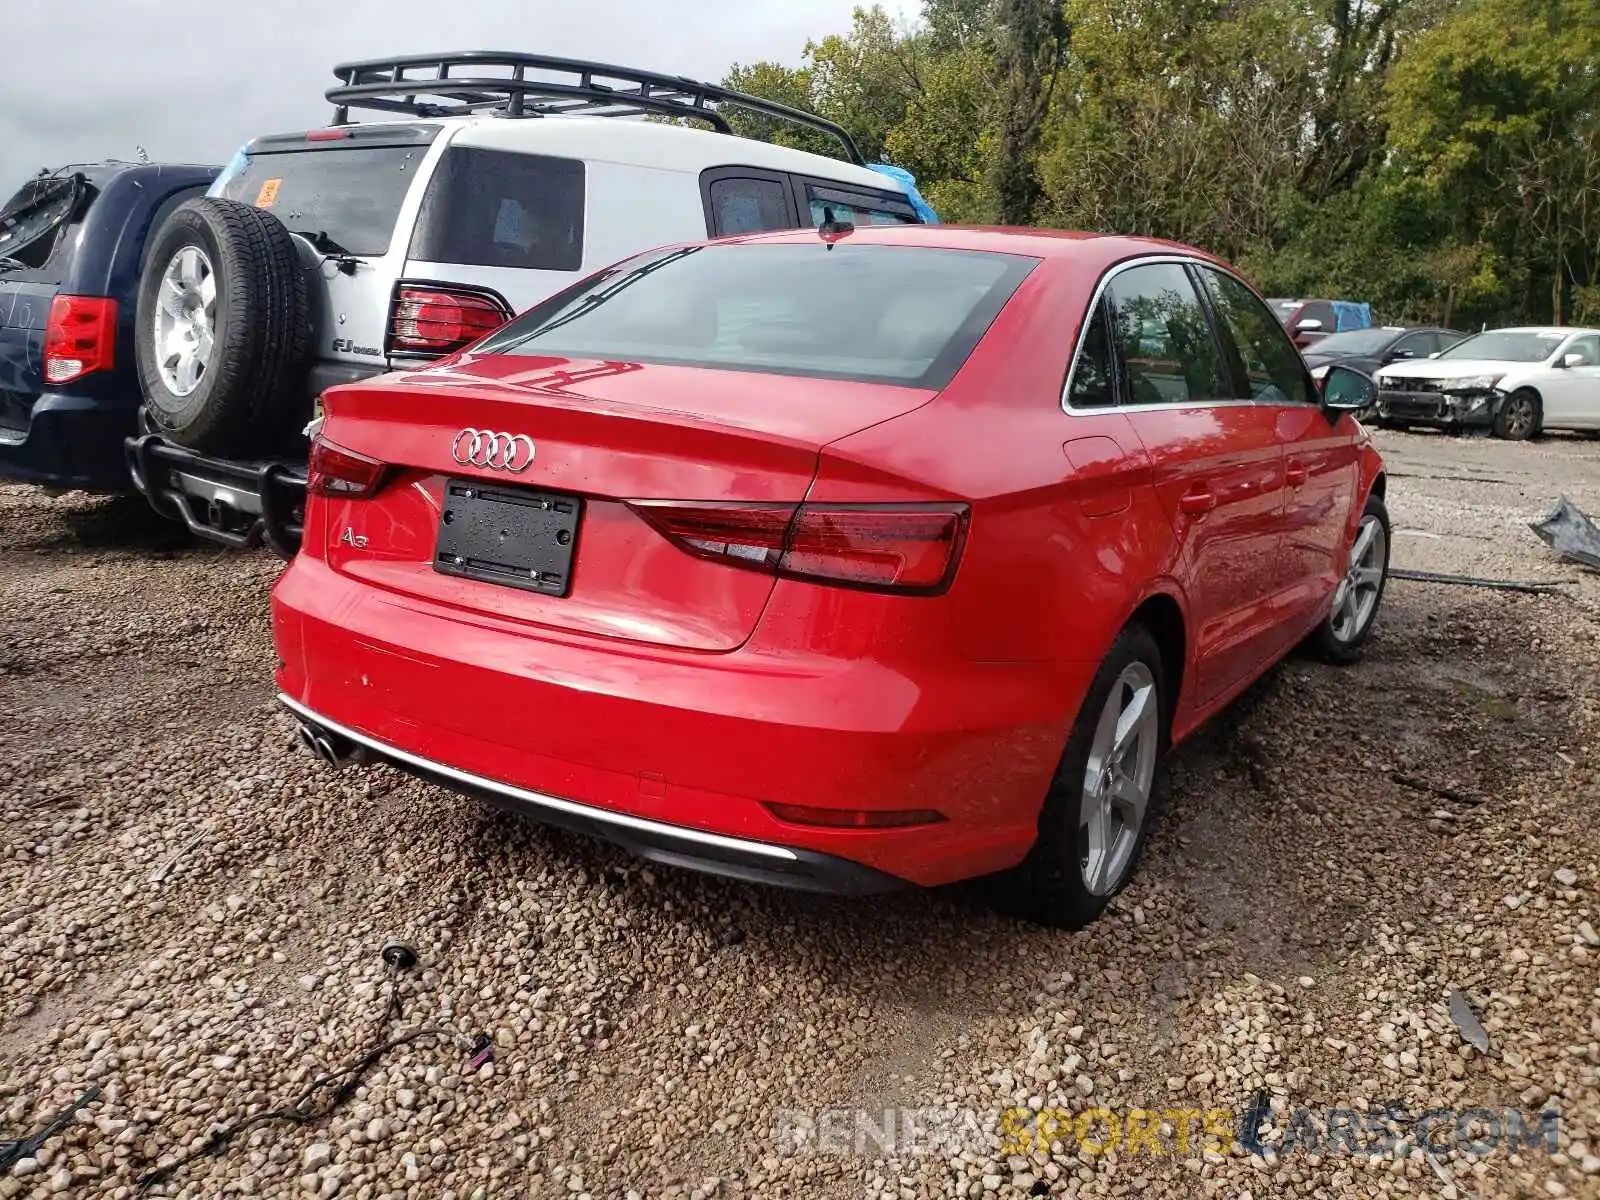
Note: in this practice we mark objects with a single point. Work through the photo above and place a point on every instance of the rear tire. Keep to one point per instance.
(223, 327)
(1520, 417)
(1093, 823)
(1344, 632)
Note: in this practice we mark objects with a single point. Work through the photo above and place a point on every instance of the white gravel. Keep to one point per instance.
(191, 910)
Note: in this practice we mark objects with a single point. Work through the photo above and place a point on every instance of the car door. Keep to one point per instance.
(1215, 464)
(1571, 394)
(1321, 457)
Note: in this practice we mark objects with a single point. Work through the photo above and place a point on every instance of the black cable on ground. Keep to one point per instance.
(301, 1111)
(27, 1147)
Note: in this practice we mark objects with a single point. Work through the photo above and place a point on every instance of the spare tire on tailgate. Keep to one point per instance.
(223, 327)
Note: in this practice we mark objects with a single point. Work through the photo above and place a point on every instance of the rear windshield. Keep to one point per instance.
(1357, 341)
(351, 197)
(32, 220)
(1507, 346)
(879, 314)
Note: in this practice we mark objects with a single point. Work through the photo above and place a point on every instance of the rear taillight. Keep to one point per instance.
(436, 321)
(80, 338)
(335, 471)
(885, 547)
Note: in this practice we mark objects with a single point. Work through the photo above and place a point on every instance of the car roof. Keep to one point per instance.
(630, 141)
(1559, 330)
(1091, 250)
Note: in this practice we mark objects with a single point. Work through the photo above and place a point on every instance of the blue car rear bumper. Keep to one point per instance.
(71, 442)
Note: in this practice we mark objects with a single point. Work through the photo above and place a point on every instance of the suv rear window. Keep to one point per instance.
(488, 208)
(351, 195)
(31, 221)
(879, 314)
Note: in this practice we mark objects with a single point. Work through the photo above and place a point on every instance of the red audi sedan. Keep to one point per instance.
(847, 561)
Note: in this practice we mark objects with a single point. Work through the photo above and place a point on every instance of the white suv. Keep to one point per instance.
(327, 256)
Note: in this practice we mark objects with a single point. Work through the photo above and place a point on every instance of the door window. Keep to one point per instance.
(1415, 345)
(858, 208)
(1163, 337)
(1317, 310)
(1273, 371)
(1588, 346)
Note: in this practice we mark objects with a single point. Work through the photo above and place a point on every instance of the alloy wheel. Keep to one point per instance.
(1118, 778)
(185, 325)
(1519, 417)
(1356, 599)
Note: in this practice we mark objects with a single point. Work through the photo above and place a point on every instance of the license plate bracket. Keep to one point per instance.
(513, 536)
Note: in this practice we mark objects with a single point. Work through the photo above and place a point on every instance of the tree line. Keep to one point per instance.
(1439, 159)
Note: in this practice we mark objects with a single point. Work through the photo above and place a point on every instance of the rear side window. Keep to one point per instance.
(881, 314)
(488, 208)
(1163, 336)
(747, 203)
(349, 196)
(1273, 369)
(1092, 375)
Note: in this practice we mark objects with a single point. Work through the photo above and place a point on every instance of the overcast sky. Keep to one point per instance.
(191, 80)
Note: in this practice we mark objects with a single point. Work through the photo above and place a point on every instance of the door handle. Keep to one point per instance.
(1197, 503)
(1296, 474)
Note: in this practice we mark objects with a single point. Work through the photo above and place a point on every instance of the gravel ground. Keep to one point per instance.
(192, 908)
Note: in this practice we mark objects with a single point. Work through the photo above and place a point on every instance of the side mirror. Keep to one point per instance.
(1571, 360)
(1310, 325)
(1346, 390)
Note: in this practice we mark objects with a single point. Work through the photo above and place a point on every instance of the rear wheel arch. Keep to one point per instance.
(1161, 616)
(1380, 486)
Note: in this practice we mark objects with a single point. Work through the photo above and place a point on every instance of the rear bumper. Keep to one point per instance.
(237, 504)
(71, 442)
(1446, 410)
(658, 841)
(606, 735)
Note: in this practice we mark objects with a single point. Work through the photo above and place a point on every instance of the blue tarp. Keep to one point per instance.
(908, 181)
(1349, 315)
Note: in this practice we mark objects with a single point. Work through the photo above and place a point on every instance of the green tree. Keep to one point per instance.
(1031, 38)
(1496, 111)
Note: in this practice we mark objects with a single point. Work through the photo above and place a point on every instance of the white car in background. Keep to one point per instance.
(1517, 382)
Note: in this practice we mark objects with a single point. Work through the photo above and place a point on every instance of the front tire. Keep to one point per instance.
(1092, 826)
(1344, 632)
(1520, 416)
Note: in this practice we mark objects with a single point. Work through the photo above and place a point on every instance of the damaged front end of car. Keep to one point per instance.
(1469, 404)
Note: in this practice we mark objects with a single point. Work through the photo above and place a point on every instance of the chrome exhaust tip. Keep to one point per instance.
(332, 749)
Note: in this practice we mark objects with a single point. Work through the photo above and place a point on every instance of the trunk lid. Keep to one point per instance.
(603, 433)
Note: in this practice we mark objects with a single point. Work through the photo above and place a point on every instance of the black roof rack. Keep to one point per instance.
(470, 81)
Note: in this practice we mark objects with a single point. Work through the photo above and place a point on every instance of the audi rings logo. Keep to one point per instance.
(493, 451)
